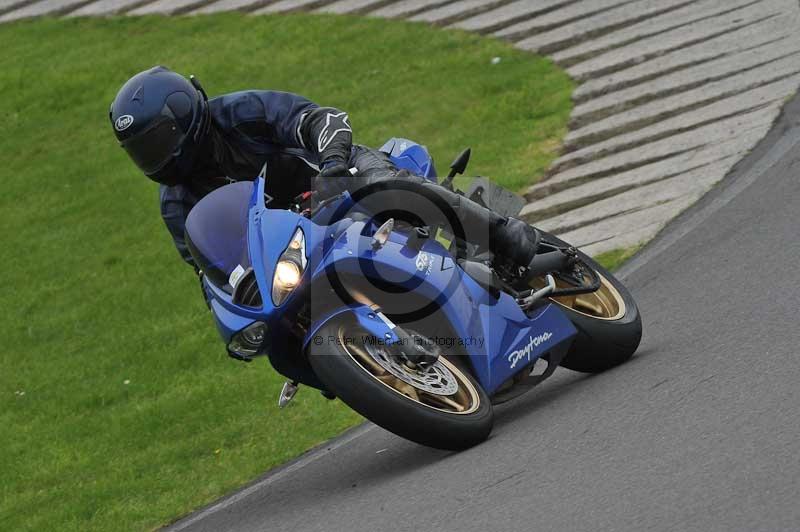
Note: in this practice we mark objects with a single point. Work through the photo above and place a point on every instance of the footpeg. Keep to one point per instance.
(527, 302)
(287, 393)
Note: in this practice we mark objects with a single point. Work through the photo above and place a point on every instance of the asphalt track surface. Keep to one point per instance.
(699, 431)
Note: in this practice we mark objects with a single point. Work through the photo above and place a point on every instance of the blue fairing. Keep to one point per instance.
(498, 337)
(491, 328)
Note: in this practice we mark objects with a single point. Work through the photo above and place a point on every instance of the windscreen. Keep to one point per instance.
(216, 233)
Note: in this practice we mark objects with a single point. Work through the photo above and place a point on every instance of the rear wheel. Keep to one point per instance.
(440, 406)
(608, 322)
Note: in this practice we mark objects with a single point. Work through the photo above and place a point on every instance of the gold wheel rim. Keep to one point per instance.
(464, 401)
(605, 303)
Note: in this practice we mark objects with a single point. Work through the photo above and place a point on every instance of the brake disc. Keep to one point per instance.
(435, 379)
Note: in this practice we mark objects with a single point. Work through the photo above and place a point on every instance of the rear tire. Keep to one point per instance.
(603, 343)
(387, 406)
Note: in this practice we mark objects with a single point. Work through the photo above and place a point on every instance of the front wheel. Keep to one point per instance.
(441, 406)
(608, 322)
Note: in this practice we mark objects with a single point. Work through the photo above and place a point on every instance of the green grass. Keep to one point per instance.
(612, 260)
(118, 407)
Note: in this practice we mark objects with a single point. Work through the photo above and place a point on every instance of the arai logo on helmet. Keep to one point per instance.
(123, 122)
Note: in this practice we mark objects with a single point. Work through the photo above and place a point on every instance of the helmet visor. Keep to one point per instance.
(152, 149)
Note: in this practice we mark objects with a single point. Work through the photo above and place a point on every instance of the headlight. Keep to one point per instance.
(287, 275)
(290, 267)
(248, 342)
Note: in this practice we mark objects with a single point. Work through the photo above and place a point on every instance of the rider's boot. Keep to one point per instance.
(515, 240)
(509, 238)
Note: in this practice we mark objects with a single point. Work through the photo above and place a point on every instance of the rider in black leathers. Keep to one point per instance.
(192, 145)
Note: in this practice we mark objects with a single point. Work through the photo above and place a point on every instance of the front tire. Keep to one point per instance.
(421, 413)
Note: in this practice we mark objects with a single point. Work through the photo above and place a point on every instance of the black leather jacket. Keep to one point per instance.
(289, 134)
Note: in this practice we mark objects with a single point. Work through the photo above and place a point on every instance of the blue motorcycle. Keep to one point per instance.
(411, 326)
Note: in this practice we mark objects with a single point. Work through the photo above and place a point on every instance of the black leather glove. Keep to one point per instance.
(327, 131)
(332, 180)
